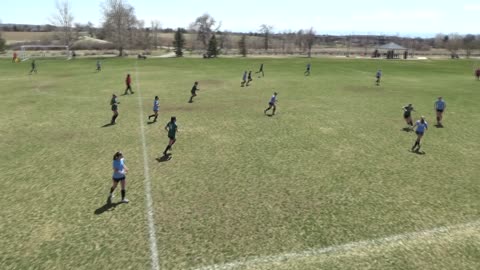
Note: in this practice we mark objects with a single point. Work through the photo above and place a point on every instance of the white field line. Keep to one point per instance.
(253, 261)
(146, 171)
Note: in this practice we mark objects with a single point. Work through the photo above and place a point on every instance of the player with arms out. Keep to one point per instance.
(172, 129)
(260, 71)
(421, 126)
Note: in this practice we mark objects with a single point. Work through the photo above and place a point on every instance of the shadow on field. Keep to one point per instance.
(107, 125)
(439, 126)
(151, 122)
(109, 206)
(418, 152)
(164, 158)
(407, 129)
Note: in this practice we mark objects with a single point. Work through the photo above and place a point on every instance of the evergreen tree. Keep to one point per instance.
(213, 50)
(242, 45)
(179, 42)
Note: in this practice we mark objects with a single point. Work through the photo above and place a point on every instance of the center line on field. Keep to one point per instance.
(279, 258)
(148, 192)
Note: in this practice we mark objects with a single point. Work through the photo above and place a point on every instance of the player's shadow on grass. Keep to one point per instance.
(418, 152)
(109, 206)
(107, 125)
(151, 122)
(164, 158)
(407, 129)
(438, 126)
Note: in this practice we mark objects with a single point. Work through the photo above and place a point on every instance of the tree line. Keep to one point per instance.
(121, 27)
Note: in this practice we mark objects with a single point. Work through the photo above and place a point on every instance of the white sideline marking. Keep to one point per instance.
(148, 193)
(252, 261)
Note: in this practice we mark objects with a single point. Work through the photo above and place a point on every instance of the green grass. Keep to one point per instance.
(332, 167)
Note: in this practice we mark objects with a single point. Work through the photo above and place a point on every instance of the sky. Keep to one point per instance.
(406, 18)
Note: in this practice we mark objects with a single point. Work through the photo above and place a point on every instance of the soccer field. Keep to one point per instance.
(326, 183)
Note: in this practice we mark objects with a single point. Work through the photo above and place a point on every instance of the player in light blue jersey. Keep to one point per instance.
(421, 126)
(244, 79)
(119, 175)
(271, 104)
(307, 71)
(440, 106)
(156, 107)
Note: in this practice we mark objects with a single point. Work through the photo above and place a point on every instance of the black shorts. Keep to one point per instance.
(194, 93)
(419, 133)
(271, 104)
(114, 107)
(118, 179)
(440, 111)
(406, 115)
(171, 137)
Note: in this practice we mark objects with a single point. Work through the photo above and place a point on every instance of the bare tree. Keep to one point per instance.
(119, 23)
(454, 43)
(308, 39)
(155, 28)
(242, 45)
(203, 26)
(63, 19)
(266, 30)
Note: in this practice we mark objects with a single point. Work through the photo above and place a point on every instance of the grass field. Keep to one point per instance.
(327, 183)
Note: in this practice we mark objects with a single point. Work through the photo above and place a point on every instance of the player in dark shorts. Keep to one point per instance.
(34, 67)
(407, 115)
(421, 126)
(172, 128)
(194, 91)
(271, 104)
(114, 103)
(307, 71)
(128, 82)
(260, 71)
(156, 107)
(99, 66)
(244, 79)
(440, 106)
(119, 175)
(249, 78)
(378, 76)
(477, 74)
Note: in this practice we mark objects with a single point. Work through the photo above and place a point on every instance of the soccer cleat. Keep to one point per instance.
(124, 200)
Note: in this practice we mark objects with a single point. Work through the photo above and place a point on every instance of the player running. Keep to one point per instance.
(14, 59)
(34, 67)
(244, 79)
(99, 66)
(271, 104)
(260, 71)
(440, 106)
(407, 115)
(194, 92)
(477, 74)
(421, 126)
(378, 76)
(172, 129)
(249, 78)
(156, 106)
(114, 103)
(119, 175)
(128, 82)
(307, 71)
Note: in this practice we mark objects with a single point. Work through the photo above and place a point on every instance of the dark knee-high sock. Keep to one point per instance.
(155, 119)
(112, 189)
(167, 148)
(123, 193)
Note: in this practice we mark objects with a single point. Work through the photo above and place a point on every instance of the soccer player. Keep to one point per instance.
(14, 59)
(477, 73)
(99, 66)
(128, 82)
(440, 106)
(114, 103)
(261, 71)
(421, 126)
(156, 106)
(244, 78)
(34, 67)
(119, 175)
(271, 104)
(172, 128)
(249, 77)
(307, 71)
(407, 115)
(378, 76)
(194, 91)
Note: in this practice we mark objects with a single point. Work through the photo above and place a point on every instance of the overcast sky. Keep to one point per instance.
(407, 17)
